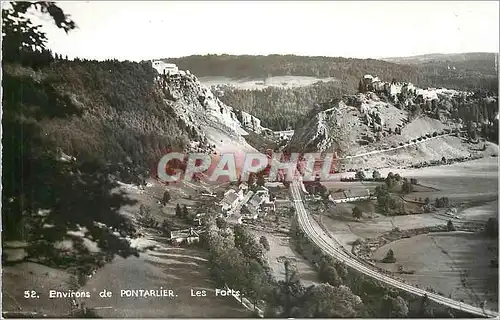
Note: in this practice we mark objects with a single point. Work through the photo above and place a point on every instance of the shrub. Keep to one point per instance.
(356, 212)
(492, 227)
(389, 257)
(450, 226)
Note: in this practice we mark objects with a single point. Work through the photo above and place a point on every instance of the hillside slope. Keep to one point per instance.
(470, 70)
(375, 121)
(71, 129)
(125, 112)
(280, 108)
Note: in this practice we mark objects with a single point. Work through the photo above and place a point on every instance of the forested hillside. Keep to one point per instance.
(483, 62)
(348, 70)
(280, 108)
(67, 127)
(471, 72)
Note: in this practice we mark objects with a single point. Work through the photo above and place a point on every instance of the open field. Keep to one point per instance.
(32, 276)
(474, 180)
(256, 84)
(354, 186)
(483, 212)
(443, 261)
(179, 269)
(281, 248)
(348, 231)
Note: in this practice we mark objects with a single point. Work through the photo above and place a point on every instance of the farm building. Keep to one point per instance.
(349, 195)
(184, 236)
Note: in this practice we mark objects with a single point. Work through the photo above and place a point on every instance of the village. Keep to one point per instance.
(239, 205)
(258, 203)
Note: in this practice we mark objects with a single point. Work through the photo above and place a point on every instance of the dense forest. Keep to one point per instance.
(280, 108)
(483, 62)
(475, 72)
(347, 70)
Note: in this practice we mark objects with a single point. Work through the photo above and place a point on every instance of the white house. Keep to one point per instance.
(163, 67)
(230, 200)
(184, 236)
(349, 196)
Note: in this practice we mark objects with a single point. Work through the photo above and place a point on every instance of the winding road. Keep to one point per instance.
(332, 247)
(423, 139)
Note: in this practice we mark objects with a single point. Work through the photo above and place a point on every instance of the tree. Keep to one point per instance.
(443, 160)
(166, 197)
(327, 301)
(185, 212)
(357, 213)
(360, 175)
(251, 179)
(389, 257)
(287, 297)
(341, 269)
(257, 286)
(491, 227)
(407, 186)
(442, 202)
(22, 39)
(450, 226)
(78, 193)
(178, 210)
(221, 223)
(426, 310)
(263, 241)
(394, 307)
(385, 202)
(361, 88)
(376, 175)
(330, 275)
(245, 241)
(260, 179)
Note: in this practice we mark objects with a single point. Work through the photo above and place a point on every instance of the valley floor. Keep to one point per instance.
(456, 264)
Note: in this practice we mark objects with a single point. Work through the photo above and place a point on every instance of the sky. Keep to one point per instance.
(128, 30)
